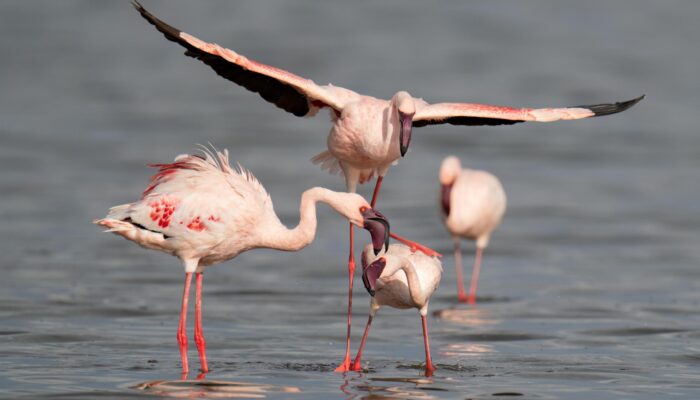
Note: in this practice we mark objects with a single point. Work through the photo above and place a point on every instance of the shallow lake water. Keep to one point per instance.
(590, 288)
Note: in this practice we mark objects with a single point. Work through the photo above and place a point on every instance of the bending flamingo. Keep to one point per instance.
(400, 278)
(368, 135)
(204, 212)
(473, 203)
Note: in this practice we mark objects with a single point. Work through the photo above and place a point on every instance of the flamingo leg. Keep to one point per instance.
(198, 333)
(356, 365)
(181, 333)
(461, 296)
(475, 276)
(429, 368)
(376, 190)
(415, 246)
(345, 365)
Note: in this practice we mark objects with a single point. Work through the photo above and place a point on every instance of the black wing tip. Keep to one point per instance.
(600, 110)
(142, 10)
(170, 32)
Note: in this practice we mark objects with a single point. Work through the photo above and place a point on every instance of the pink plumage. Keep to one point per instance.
(473, 203)
(205, 212)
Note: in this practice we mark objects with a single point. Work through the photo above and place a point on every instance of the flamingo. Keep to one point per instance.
(473, 203)
(400, 278)
(368, 134)
(204, 212)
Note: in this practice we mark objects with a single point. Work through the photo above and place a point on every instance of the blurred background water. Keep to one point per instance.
(589, 288)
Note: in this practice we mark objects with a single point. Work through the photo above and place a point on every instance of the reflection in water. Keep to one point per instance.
(212, 389)
(471, 316)
(466, 349)
(401, 388)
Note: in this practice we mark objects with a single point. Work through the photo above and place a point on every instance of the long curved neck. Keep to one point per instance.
(280, 237)
(414, 286)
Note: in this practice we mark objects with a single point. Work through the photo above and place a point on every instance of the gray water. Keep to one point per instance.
(589, 288)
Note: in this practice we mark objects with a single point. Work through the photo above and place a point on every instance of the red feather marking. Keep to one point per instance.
(162, 210)
(197, 225)
(165, 173)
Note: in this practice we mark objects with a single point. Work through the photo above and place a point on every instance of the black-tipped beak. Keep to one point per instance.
(378, 227)
(406, 122)
(372, 273)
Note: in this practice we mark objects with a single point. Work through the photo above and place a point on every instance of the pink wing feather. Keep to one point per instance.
(297, 95)
(483, 114)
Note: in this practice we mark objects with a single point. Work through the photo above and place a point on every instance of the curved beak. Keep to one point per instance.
(378, 227)
(406, 122)
(372, 273)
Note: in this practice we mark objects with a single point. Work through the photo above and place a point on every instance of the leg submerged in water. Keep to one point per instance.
(471, 299)
(345, 365)
(358, 359)
(429, 367)
(181, 331)
(198, 332)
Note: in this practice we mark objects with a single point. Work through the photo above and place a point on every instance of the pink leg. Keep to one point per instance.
(461, 296)
(356, 365)
(181, 334)
(416, 246)
(198, 333)
(345, 365)
(429, 368)
(376, 190)
(475, 276)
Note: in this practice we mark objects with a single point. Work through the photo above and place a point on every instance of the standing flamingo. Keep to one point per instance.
(400, 278)
(473, 203)
(204, 212)
(368, 135)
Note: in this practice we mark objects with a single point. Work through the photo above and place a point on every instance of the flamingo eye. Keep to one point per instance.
(363, 209)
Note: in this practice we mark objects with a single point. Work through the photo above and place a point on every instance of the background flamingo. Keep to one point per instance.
(368, 135)
(473, 203)
(205, 212)
(400, 278)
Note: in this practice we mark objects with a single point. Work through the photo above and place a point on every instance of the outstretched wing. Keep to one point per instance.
(482, 114)
(292, 93)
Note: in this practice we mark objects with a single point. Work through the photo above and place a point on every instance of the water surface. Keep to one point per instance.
(590, 286)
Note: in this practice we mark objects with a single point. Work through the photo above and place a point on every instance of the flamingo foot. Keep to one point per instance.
(201, 376)
(462, 298)
(429, 370)
(471, 299)
(345, 365)
(356, 366)
(415, 246)
(183, 375)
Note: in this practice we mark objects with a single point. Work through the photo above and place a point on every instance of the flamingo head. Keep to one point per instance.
(405, 109)
(356, 209)
(449, 170)
(372, 272)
